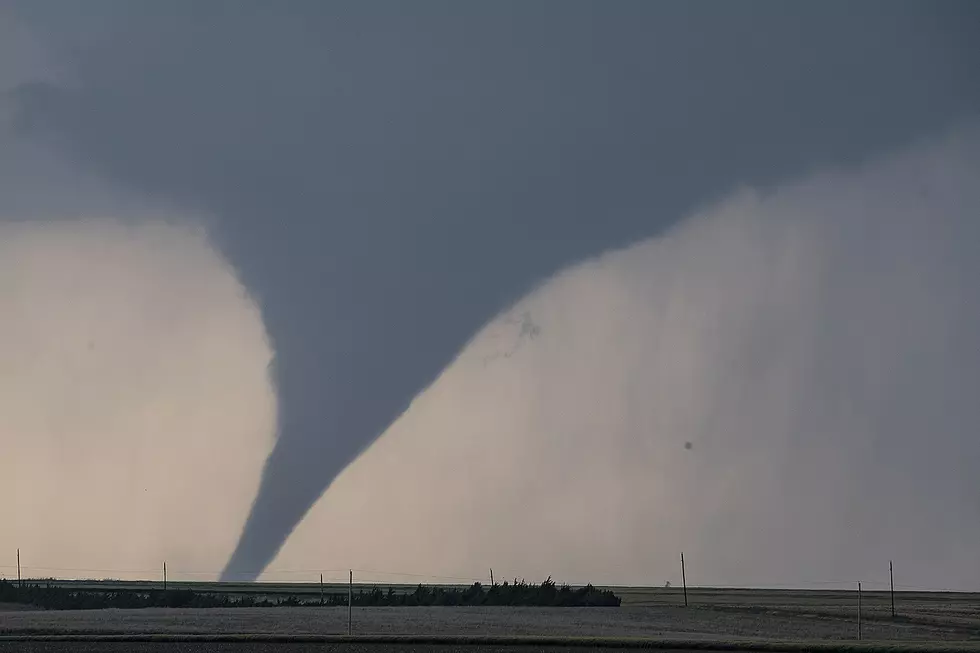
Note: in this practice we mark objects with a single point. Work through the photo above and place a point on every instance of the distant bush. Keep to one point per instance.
(51, 596)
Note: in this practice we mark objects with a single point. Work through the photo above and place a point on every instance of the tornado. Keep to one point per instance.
(386, 181)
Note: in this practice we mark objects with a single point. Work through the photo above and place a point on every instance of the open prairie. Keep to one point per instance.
(729, 614)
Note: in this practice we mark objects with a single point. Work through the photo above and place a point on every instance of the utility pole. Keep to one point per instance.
(891, 577)
(350, 602)
(684, 578)
(20, 583)
(321, 589)
(859, 611)
(164, 575)
(491, 577)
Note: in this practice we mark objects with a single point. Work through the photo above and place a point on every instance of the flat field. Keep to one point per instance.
(289, 647)
(714, 614)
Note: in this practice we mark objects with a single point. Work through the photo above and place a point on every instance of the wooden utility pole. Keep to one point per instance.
(164, 575)
(491, 577)
(350, 602)
(891, 577)
(20, 582)
(859, 611)
(321, 589)
(684, 578)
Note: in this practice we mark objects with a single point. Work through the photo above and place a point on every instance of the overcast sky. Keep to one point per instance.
(387, 177)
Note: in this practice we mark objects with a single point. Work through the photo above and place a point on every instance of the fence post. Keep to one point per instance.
(859, 611)
(891, 577)
(350, 602)
(684, 578)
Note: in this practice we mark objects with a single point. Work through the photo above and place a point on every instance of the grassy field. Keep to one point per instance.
(708, 622)
(727, 614)
(949, 607)
(875, 603)
(412, 644)
(277, 645)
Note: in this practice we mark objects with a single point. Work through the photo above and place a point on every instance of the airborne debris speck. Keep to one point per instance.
(529, 330)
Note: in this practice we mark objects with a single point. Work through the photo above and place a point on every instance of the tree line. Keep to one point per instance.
(52, 596)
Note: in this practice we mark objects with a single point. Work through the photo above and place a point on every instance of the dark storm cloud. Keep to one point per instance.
(388, 176)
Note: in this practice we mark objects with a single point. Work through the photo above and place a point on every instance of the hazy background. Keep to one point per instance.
(386, 178)
(136, 401)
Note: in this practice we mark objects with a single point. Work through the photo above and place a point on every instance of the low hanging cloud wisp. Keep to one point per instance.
(783, 386)
(136, 404)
